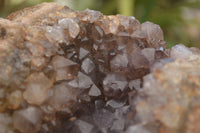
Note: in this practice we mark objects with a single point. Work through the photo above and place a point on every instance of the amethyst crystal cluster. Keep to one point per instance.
(64, 71)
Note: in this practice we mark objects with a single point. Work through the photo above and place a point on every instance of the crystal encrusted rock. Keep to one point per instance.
(83, 72)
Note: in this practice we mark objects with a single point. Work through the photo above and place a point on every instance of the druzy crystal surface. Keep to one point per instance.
(65, 71)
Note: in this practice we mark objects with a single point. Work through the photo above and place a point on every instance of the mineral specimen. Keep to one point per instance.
(82, 72)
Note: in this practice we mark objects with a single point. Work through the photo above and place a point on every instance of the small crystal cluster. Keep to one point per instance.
(82, 72)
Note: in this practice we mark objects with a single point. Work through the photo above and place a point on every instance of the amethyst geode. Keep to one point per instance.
(82, 72)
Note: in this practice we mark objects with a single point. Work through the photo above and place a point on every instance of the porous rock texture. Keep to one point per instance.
(65, 71)
(171, 93)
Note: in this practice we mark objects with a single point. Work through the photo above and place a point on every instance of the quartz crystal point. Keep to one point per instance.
(83, 72)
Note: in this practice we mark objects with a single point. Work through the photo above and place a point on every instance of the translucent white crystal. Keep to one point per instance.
(149, 53)
(115, 81)
(61, 62)
(37, 88)
(84, 126)
(94, 91)
(82, 53)
(129, 23)
(71, 25)
(84, 81)
(91, 15)
(153, 32)
(87, 65)
(65, 69)
(55, 34)
(28, 120)
(119, 61)
(63, 96)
